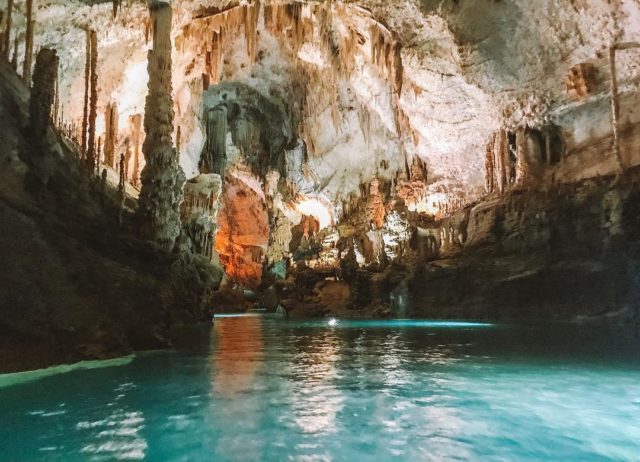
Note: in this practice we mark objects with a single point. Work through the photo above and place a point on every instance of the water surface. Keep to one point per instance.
(264, 389)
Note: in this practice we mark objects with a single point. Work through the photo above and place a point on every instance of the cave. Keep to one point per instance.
(319, 230)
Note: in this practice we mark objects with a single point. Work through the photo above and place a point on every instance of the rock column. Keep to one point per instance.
(111, 134)
(162, 177)
(7, 31)
(93, 103)
(43, 96)
(40, 107)
(28, 49)
(214, 156)
(85, 107)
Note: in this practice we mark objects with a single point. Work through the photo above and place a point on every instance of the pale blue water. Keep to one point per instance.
(263, 389)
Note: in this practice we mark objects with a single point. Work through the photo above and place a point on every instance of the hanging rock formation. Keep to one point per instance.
(200, 211)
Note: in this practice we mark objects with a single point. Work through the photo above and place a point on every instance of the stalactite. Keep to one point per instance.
(489, 174)
(522, 159)
(93, 102)
(396, 66)
(147, 30)
(7, 31)
(85, 107)
(500, 166)
(111, 134)
(214, 154)
(162, 177)
(178, 140)
(251, 13)
(214, 58)
(28, 49)
(116, 6)
(504, 144)
(43, 96)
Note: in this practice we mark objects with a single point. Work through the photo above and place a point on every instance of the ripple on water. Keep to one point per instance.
(364, 391)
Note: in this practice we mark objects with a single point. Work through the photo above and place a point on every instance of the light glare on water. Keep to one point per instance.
(272, 390)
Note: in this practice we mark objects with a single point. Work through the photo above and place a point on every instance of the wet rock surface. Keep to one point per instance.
(76, 283)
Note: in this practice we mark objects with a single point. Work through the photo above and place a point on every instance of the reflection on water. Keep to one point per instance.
(237, 354)
(315, 399)
(272, 390)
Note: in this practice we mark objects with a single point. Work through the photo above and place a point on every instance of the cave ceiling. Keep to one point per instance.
(467, 68)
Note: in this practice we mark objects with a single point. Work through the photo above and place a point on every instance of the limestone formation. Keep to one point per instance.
(580, 81)
(7, 30)
(93, 103)
(136, 127)
(199, 212)
(162, 178)
(43, 95)
(111, 134)
(214, 155)
(45, 150)
(28, 48)
(87, 79)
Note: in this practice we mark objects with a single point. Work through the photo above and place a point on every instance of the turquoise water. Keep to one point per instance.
(263, 389)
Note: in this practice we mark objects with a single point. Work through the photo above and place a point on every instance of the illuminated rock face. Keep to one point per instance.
(243, 232)
(199, 212)
(375, 118)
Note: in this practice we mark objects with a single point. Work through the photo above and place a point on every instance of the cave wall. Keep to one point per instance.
(570, 252)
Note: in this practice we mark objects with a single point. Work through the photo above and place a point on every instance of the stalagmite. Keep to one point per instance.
(214, 155)
(28, 49)
(85, 107)
(43, 92)
(2, 42)
(111, 134)
(7, 31)
(93, 102)
(127, 158)
(162, 177)
(136, 125)
(14, 60)
(56, 103)
(122, 176)
(98, 155)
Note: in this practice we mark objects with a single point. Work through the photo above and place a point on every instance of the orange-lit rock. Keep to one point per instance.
(243, 232)
(375, 206)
